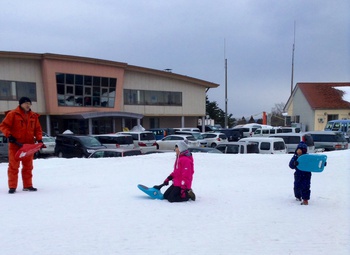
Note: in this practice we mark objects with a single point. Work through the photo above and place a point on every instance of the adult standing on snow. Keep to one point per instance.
(21, 126)
(302, 179)
(181, 189)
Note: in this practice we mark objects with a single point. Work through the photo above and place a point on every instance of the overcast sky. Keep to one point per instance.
(193, 38)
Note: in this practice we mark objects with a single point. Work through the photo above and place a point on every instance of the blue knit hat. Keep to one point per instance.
(302, 145)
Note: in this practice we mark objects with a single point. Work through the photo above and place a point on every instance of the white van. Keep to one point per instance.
(293, 139)
(268, 145)
(143, 140)
(267, 131)
(238, 147)
(247, 130)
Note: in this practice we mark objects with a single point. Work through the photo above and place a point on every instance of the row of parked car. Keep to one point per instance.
(144, 142)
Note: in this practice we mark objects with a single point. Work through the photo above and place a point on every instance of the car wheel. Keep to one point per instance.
(213, 145)
(60, 154)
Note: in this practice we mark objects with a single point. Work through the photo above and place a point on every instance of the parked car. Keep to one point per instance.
(160, 133)
(329, 140)
(204, 150)
(193, 129)
(213, 139)
(268, 145)
(4, 149)
(293, 139)
(198, 136)
(143, 140)
(238, 147)
(112, 153)
(233, 135)
(114, 141)
(69, 146)
(50, 144)
(339, 125)
(169, 142)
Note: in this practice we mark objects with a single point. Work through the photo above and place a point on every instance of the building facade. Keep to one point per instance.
(93, 96)
(312, 105)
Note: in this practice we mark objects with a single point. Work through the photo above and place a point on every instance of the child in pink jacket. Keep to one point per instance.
(181, 189)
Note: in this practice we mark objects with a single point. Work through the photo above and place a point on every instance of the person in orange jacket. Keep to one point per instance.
(21, 126)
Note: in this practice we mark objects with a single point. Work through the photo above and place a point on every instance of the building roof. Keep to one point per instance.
(125, 66)
(326, 95)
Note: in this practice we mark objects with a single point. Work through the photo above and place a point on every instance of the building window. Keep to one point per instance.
(14, 90)
(150, 97)
(85, 90)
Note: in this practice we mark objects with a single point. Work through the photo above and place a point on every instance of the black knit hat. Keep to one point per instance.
(24, 100)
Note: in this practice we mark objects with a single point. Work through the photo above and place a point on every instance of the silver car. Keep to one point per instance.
(329, 140)
(214, 139)
(169, 142)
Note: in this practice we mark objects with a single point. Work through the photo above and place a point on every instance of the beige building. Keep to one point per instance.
(91, 96)
(312, 105)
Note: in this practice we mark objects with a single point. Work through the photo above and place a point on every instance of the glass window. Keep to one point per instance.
(69, 78)
(87, 80)
(113, 82)
(265, 146)
(79, 79)
(27, 89)
(148, 97)
(96, 81)
(84, 90)
(5, 89)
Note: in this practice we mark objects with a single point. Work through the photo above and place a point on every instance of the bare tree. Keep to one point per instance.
(277, 118)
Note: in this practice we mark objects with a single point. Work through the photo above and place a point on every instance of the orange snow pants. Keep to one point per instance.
(13, 169)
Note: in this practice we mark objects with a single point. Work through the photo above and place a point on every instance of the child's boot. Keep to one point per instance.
(305, 202)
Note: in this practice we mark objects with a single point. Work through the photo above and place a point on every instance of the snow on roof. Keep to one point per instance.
(346, 92)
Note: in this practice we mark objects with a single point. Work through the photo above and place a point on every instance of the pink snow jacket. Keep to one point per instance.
(183, 170)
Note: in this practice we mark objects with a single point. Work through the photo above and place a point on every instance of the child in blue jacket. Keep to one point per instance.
(302, 179)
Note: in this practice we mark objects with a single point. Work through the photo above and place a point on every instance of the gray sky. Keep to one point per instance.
(193, 38)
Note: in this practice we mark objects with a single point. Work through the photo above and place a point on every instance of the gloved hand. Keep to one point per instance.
(183, 193)
(157, 187)
(43, 145)
(12, 139)
(166, 181)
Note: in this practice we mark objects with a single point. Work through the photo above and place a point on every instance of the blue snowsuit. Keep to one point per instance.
(302, 179)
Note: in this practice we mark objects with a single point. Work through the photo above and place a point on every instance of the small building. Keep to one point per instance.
(92, 96)
(312, 105)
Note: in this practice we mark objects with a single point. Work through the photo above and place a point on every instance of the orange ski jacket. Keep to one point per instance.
(25, 127)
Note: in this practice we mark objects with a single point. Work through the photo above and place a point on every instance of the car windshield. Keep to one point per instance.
(197, 136)
(90, 141)
(190, 138)
(147, 136)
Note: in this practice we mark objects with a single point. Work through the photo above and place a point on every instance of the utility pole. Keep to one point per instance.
(292, 78)
(226, 119)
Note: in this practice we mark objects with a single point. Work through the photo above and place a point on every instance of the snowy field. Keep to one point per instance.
(245, 205)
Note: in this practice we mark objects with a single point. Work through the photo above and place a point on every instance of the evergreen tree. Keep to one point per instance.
(218, 115)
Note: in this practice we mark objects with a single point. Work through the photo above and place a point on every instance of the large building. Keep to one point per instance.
(92, 96)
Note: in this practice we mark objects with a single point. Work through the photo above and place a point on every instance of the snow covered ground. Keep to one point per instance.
(245, 205)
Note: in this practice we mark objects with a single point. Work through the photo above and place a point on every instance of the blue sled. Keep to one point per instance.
(152, 192)
(312, 162)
